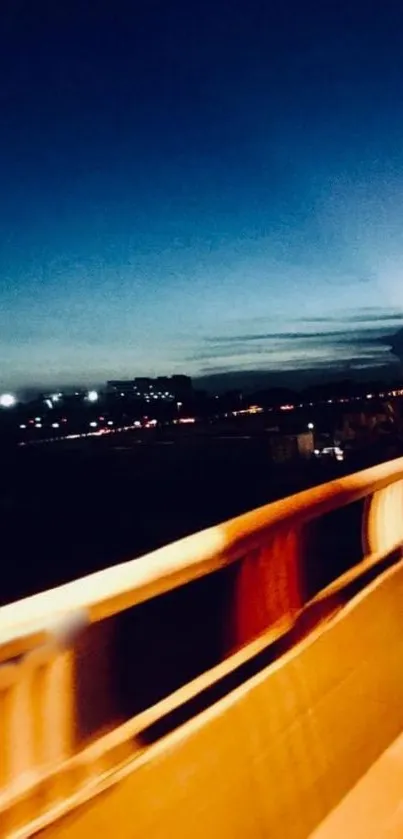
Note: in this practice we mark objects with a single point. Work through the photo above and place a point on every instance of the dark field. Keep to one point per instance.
(70, 508)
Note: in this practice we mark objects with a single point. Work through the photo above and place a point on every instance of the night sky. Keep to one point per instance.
(198, 187)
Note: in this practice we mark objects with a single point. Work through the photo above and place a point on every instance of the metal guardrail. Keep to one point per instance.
(41, 637)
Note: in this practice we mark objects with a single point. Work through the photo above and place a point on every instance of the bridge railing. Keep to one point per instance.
(95, 670)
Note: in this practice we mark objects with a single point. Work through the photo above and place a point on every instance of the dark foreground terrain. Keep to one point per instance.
(70, 508)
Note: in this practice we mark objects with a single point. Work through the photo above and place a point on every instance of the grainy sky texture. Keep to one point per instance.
(198, 187)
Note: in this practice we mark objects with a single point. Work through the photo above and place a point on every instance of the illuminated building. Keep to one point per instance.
(284, 447)
(165, 388)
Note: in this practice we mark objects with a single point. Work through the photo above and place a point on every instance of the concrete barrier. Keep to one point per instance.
(278, 753)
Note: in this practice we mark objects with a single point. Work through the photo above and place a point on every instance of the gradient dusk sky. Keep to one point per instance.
(198, 187)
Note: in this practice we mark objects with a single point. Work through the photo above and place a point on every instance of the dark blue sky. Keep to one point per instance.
(198, 187)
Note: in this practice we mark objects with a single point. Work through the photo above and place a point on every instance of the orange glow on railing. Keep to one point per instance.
(267, 611)
(384, 518)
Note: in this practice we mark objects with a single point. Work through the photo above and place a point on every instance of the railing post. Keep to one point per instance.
(267, 587)
(382, 527)
(40, 713)
(7, 684)
(37, 708)
(57, 707)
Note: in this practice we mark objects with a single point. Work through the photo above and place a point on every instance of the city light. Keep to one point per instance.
(102, 424)
(333, 451)
(253, 409)
(7, 400)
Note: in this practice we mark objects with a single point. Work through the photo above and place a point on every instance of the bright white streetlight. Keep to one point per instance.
(7, 400)
(92, 396)
(311, 426)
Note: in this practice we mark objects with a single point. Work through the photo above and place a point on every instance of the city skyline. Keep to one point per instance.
(205, 192)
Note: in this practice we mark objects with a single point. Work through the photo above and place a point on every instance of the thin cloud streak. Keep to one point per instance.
(340, 335)
(346, 367)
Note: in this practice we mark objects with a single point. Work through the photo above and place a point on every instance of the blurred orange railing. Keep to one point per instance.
(91, 670)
